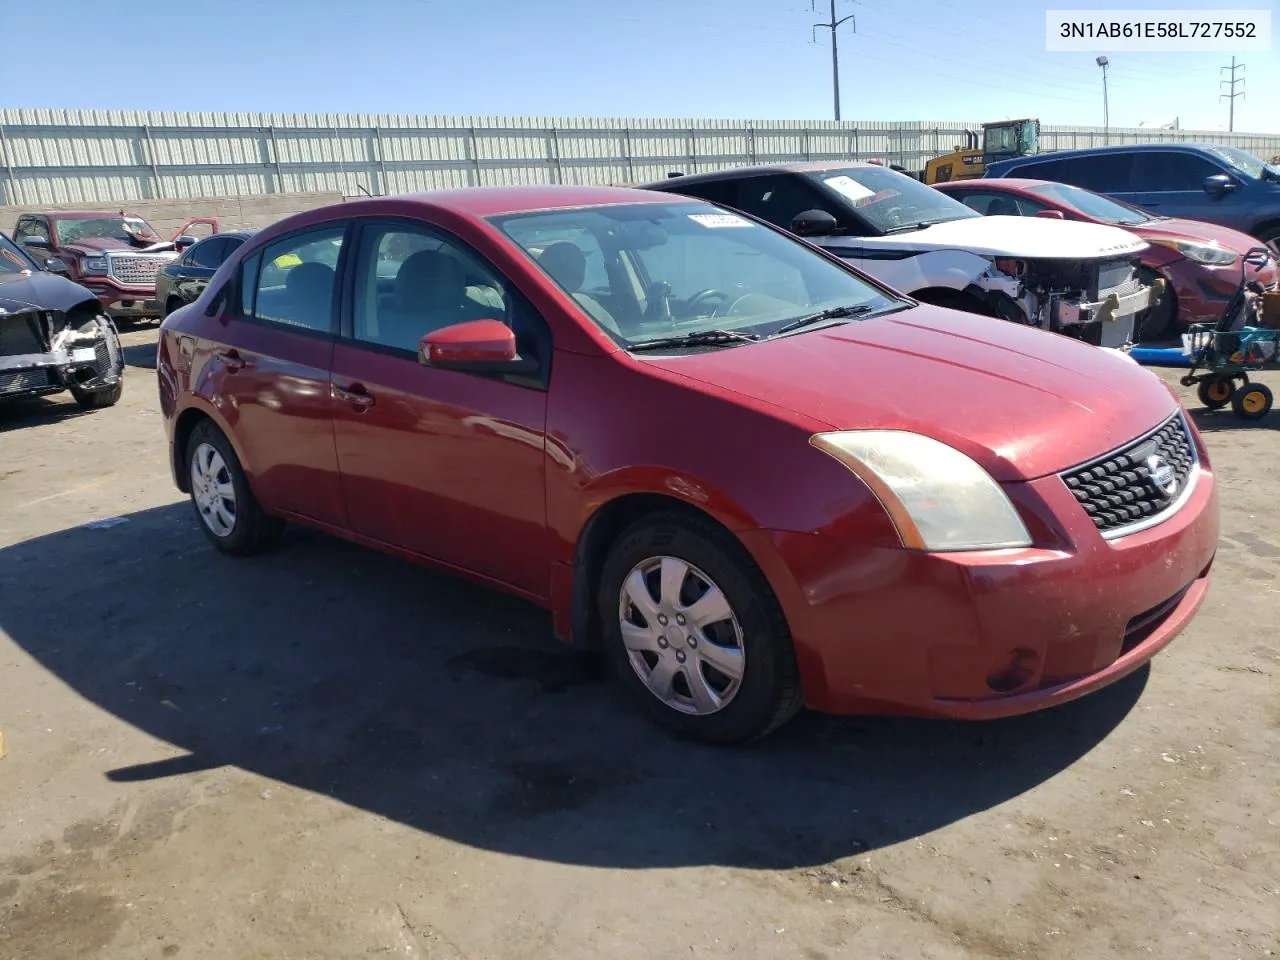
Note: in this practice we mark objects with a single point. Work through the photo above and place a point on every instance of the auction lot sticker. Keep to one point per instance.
(1158, 31)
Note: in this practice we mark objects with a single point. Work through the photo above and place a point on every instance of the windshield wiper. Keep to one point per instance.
(833, 313)
(699, 338)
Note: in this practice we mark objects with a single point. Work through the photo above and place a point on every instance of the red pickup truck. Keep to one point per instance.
(116, 255)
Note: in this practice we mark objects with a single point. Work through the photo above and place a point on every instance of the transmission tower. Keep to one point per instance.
(1231, 97)
(833, 25)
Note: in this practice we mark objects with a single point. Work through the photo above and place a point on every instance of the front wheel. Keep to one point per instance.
(224, 504)
(99, 398)
(695, 632)
(1251, 402)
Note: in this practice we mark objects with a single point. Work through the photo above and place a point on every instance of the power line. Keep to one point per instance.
(1231, 97)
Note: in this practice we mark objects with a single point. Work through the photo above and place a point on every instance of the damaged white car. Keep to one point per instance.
(1078, 279)
(54, 336)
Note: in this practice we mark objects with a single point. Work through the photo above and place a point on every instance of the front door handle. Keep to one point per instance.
(355, 394)
(231, 360)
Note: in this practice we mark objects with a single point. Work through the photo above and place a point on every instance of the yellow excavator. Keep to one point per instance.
(1000, 141)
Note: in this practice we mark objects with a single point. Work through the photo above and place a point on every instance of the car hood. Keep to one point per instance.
(1031, 238)
(1179, 229)
(47, 291)
(1022, 402)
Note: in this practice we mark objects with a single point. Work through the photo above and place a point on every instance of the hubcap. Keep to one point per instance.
(681, 635)
(212, 490)
(1253, 402)
(1220, 391)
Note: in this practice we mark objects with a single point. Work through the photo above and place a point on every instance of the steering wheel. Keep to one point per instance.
(710, 293)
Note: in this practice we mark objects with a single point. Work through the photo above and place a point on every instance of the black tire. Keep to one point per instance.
(253, 531)
(1269, 233)
(100, 398)
(1216, 393)
(1156, 321)
(769, 693)
(1251, 402)
(172, 304)
(955, 300)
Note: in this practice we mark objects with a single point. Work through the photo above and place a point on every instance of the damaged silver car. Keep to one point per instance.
(54, 335)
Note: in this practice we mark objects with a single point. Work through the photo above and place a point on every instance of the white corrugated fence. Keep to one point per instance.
(59, 157)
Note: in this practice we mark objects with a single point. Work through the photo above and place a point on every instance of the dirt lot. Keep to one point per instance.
(326, 753)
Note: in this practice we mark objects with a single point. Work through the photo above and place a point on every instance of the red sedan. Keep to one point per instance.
(751, 476)
(1199, 261)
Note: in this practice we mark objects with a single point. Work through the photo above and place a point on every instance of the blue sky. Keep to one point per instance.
(909, 60)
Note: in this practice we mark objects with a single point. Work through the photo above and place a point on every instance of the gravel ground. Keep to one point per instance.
(328, 753)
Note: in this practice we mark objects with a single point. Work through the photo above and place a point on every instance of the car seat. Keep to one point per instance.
(567, 266)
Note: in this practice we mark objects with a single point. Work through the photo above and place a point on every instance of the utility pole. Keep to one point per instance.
(1103, 62)
(1231, 97)
(833, 24)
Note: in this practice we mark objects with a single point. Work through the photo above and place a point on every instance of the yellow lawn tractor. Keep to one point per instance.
(1000, 141)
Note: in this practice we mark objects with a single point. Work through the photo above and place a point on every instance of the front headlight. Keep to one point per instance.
(1210, 254)
(939, 499)
(95, 266)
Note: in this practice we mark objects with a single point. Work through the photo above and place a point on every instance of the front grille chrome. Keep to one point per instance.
(1141, 484)
(135, 270)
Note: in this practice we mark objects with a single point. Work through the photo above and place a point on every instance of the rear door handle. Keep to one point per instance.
(231, 359)
(355, 394)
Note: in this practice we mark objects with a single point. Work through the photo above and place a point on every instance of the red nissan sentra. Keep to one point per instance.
(750, 475)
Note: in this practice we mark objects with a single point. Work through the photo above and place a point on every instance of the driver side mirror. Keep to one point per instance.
(814, 223)
(38, 243)
(57, 265)
(184, 241)
(1050, 214)
(1218, 185)
(476, 346)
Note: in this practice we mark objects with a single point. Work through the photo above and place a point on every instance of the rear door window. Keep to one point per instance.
(1164, 171)
(1101, 172)
(296, 280)
(208, 253)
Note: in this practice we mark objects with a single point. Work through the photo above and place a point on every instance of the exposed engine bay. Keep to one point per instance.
(44, 351)
(1097, 301)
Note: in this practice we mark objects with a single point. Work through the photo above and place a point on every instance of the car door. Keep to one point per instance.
(1108, 173)
(1171, 183)
(449, 465)
(190, 275)
(268, 370)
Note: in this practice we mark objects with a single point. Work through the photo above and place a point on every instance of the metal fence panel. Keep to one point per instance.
(68, 156)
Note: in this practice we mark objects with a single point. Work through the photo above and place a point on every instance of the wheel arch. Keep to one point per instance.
(602, 529)
(1268, 227)
(184, 425)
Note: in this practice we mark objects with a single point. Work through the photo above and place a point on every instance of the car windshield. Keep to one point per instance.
(13, 260)
(888, 200)
(1244, 161)
(1092, 204)
(650, 271)
(105, 228)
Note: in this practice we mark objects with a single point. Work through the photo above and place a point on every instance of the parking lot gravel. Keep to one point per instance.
(328, 753)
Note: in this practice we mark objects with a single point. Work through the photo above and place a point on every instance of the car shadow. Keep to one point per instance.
(141, 355)
(21, 412)
(1219, 421)
(449, 708)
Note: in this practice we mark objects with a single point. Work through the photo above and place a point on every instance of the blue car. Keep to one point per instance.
(1223, 185)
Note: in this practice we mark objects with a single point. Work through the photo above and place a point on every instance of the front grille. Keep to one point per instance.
(19, 380)
(134, 270)
(102, 357)
(1120, 276)
(1118, 490)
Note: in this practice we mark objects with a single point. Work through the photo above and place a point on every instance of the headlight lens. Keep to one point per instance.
(939, 499)
(95, 266)
(1210, 254)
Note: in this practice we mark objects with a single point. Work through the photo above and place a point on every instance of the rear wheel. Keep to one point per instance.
(1252, 401)
(224, 504)
(694, 631)
(1215, 394)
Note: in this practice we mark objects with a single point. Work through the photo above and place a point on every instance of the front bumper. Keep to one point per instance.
(124, 302)
(1203, 292)
(89, 359)
(990, 634)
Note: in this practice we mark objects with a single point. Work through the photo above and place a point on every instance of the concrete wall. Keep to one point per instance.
(233, 213)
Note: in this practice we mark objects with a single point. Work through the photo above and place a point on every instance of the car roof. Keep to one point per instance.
(1102, 151)
(80, 214)
(238, 234)
(804, 166)
(491, 201)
